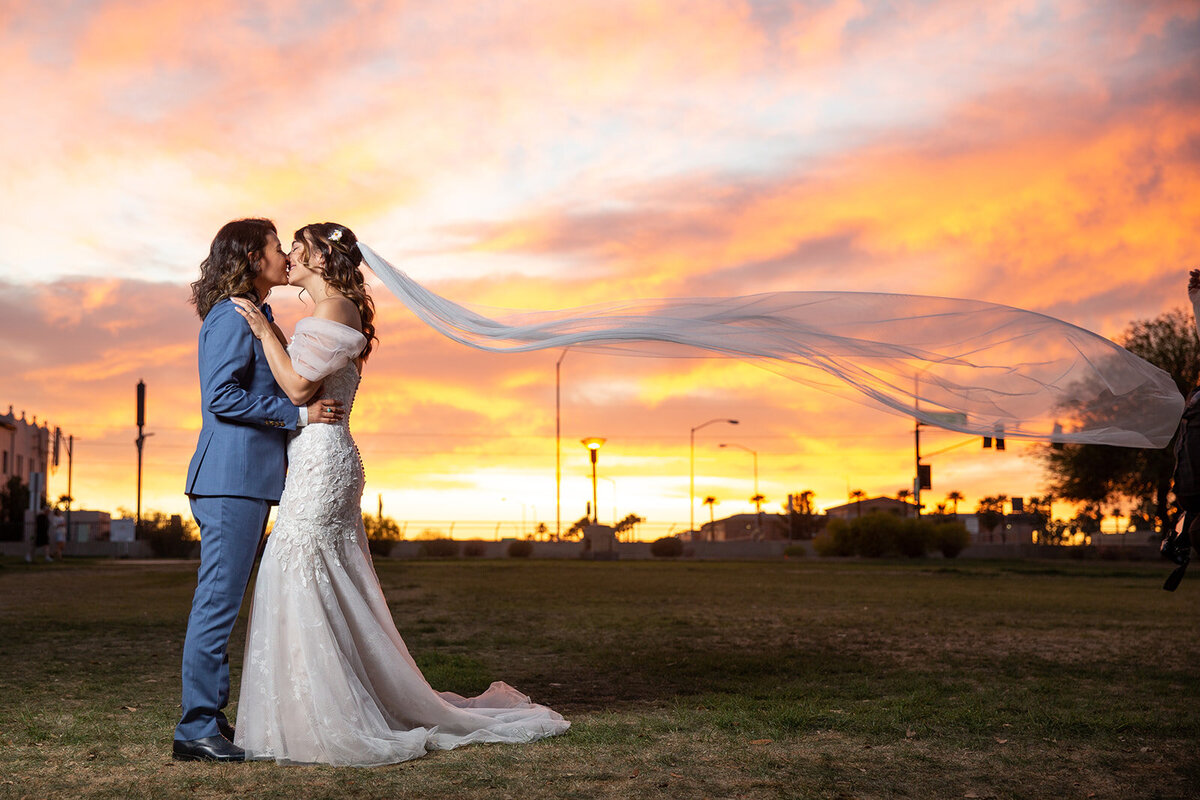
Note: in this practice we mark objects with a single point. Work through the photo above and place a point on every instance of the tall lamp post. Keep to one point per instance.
(140, 442)
(692, 462)
(757, 503)
(613, 484)
(558, 446)
(592, 443)
(757, 496)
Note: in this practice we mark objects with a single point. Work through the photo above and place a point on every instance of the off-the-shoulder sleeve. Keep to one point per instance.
(320, 347)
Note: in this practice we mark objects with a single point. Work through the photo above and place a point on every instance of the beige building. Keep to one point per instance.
(24, 448)
(860, 508)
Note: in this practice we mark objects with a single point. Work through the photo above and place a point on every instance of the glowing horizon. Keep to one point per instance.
(1042, 155)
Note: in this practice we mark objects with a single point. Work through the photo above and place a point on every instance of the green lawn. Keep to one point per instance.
(693, 680)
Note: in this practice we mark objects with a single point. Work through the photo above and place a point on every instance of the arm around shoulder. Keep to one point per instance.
(226, 362)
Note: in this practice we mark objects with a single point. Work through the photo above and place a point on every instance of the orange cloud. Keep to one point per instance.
(547, 155)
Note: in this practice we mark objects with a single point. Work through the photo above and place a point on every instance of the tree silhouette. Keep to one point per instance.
(801, 515)
(1099, 476)
(857, 495)
(628, 523)
(711, 502)
(991, 514)
(953, 498)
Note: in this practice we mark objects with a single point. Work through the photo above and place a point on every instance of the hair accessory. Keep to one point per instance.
(336, 236)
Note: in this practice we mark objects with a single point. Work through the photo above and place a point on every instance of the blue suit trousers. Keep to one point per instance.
(230, 530)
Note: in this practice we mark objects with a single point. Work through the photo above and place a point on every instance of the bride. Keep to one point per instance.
(326, 677)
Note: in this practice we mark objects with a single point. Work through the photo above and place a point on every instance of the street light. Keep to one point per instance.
(757, 496)
(558, 446)
(757, 503)
(613, 483)
(592, 443)
(692, 462)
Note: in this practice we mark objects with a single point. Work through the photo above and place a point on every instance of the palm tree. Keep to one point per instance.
(954, 497)
(903, 496)
(857, 495)
(758, 500)
(711, 502)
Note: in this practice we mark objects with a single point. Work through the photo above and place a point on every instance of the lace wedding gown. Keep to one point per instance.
(326, 677)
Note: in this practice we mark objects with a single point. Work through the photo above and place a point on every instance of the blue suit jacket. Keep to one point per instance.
(243, 440)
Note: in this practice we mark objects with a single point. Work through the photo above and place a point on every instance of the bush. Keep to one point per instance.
(474, 549)
(521, 548)
(795, 551)
(439, 548)
(882, 534)
(913, 537)
(169, 536)
(876, 535)
(951, 538)
(381, 547)
(835, 541)
(666, 547)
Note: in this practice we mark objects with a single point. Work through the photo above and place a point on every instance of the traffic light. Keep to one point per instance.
(924, 476)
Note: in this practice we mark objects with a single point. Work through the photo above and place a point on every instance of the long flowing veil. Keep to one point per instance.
(965, 365)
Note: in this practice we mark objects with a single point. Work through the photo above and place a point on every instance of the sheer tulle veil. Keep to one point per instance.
(965, 365)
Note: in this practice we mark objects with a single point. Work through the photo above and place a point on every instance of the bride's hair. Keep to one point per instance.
(339, 246)
(231, 265)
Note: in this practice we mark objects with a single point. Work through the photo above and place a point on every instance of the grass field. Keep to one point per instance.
(683, 680)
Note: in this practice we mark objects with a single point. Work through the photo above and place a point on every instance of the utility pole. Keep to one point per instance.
(140, 441)
(558, 447)
(70, 467)
(917, 479)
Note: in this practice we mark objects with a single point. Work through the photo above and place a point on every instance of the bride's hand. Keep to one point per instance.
(251, 313)
(327, 410)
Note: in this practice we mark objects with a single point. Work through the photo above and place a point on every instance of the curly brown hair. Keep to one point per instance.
(231, 265)
(339, 247)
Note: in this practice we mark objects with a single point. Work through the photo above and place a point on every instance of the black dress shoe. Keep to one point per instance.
(224, 728)
(210, 748)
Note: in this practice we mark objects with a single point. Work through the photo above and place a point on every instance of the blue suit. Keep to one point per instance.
(235, 476)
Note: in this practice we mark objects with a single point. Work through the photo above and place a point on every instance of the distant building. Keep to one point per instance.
(1013, 529)
(866, 506)
(91, 526)
(743, 527)
(24, 448)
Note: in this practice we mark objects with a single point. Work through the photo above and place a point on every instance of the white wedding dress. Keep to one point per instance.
(326, 677)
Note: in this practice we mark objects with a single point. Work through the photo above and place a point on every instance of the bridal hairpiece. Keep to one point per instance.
(336, 235)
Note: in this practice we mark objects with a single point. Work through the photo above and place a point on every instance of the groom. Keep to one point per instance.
(236, 473)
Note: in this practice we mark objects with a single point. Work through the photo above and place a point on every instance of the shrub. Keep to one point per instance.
(795, 551)
(666, 547)
(913, 537)
(169, 536)
(835, 541)
(474, 549)
(882, 534)
(381, 547)
(521, 548)
(951, 538)
(439, 548)
(875, 535)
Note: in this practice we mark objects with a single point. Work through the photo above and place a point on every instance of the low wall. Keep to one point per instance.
(630, 551)
(1132, 552)
(86, 550)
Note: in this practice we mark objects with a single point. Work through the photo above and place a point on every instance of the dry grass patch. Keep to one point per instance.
(682, 680)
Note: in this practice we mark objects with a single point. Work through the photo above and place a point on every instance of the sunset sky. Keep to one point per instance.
(542, 155)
